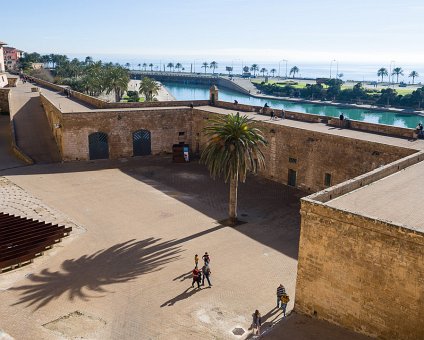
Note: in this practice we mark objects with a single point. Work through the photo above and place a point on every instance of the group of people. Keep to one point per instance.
(199, 275)
(282, 301)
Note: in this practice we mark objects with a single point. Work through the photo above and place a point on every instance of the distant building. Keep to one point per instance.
(3, 77)
(11, 57)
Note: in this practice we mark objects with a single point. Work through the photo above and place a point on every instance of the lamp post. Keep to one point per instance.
(390, 71)
(279, 67)
(331, 65)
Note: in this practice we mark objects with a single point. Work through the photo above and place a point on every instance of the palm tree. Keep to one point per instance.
(273, 72)
(144, 66)
(170, 65)
(233, 149)
(382, 72)
(294, 70)
(139, 67)
(151, 66)
(263, 70)
(88, 60)
(413, 74)
(117, 81)
(254, 68)
(214, 65)
(205, 65)
(45, 59)
(178, 66)
(149, 88)
(397, 71)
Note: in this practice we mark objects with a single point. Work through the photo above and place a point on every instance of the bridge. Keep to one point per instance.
(191, 78)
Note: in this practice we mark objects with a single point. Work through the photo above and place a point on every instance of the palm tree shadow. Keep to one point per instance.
(120, 263)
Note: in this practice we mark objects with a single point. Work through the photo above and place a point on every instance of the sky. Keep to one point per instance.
(359, 31)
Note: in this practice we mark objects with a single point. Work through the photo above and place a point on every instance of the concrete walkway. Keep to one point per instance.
(33, 134)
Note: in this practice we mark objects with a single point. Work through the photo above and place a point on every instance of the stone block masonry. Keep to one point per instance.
(364, 274)
(4, 100)
(167, 127)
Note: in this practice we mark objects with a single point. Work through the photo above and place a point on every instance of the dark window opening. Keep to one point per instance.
(327, 180)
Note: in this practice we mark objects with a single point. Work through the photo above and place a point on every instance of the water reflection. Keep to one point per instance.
(200, 92)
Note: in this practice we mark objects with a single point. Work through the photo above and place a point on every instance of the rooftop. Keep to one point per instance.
(395, 199)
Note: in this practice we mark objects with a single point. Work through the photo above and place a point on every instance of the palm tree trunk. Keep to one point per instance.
(233, 199)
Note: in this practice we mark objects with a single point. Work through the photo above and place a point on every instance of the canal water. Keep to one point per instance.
(200, 92)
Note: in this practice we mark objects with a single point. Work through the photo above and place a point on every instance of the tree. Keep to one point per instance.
(88, 60)
(45, 59)
(151, 66)
(254, 68)
(229, 69)
(144, 66)
(397, 71)
(413, 74)
(178, 66)
(170, 65)
(205, 65)
(127, 65)
(273, 70)
(263, 70)
(214, 65)
(117, 79)
(382, 72)
(233, 149)
(294, 70)
(387, 95)
(246, 69)
(418, 96)
(139, 67)
(149, 88)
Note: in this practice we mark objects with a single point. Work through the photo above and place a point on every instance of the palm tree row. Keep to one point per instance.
(397, 71)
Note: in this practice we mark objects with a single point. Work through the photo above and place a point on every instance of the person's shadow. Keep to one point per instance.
(184, 276)
(184, 295)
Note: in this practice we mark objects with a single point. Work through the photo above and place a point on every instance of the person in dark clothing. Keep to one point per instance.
(206, 258)
(272, 115)
(257, 322)
(235, 102)
(280, 292)
(206, 273)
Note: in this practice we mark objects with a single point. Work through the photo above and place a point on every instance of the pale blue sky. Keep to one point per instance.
(257, 30)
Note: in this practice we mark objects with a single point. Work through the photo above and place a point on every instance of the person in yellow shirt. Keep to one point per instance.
(196, 260)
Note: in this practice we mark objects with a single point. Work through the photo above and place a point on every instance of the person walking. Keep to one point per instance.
(196, 260)
(272, 114)
(257, 322)
(206, 273)
(196, 275)
(284, 301)
(206, 258)
(280, 292)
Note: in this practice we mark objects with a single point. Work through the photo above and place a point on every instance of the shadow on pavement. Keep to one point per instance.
(270, 209)
(89, 274)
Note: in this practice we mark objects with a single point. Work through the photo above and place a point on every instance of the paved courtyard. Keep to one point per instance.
(125, 273)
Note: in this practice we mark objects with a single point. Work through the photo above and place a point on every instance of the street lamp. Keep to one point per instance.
(331, 65)
(279, 67)
(390, 71)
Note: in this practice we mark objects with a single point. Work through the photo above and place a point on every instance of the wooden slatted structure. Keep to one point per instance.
(23, 239)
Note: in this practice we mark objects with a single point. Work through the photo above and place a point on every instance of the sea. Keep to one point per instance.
(307, 70)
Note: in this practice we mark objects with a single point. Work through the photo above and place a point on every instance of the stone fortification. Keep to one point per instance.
(361, 273)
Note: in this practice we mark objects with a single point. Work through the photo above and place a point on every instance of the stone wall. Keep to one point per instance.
(54, 116)
(363, 274)
(312, 154)
(375, 128)
(165, 126)
(4, 100)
